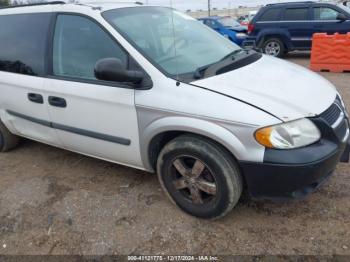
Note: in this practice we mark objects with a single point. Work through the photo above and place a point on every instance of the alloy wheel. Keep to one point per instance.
(193, 179)
(272, 48)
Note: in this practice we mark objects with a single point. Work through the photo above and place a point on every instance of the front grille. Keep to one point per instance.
(332, 114)
(338, 101)
(335, 117)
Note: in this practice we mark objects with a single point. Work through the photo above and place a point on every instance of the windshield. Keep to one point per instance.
(346, 8)
(151, 31)
(228, 21)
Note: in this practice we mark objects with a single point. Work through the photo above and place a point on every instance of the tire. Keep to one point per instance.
(7, 140)
(208, 181)
(274, 47)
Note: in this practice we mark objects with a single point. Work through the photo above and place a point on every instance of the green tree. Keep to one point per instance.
(4, 3)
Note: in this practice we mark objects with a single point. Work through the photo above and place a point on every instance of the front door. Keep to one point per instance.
(92, 117)
(325, 21)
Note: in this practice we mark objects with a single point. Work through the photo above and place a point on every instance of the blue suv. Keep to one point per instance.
(280, 28)
(227, 27)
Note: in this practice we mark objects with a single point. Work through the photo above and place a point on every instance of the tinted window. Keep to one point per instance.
(271, 15)
(325, 13)
(296, 14)
(23, 43)
(78, 44)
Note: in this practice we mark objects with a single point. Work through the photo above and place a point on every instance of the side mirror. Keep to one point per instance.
(341, 17)
(112, 69)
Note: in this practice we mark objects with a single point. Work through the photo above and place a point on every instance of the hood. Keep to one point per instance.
(283, 89)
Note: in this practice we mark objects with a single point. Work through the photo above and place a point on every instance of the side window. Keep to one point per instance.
(271, 15)
(78, 44)
(210, 23)
(23, 41)
(296, 14)
(325, 13)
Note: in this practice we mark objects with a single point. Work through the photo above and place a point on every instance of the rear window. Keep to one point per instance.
(23, 43)
(271, 15)
(296, 14)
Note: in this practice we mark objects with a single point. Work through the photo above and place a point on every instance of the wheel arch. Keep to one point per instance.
(160, 132)
(268, 35)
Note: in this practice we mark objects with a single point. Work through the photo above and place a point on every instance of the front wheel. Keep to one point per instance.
(274, 47)
(199, 176)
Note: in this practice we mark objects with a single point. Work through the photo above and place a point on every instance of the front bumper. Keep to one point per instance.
(249, 43)
(290, 174)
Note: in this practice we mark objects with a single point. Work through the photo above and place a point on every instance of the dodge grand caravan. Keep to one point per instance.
(154, 89)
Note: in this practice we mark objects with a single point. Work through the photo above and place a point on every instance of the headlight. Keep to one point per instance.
(289, 135)
(241, 35)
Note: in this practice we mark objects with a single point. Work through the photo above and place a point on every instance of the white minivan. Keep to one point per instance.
(152, 88)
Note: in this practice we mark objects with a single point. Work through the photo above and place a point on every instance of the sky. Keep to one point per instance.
(202, 4)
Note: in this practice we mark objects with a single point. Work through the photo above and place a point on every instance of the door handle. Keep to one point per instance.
(36, 98)
(57, 101)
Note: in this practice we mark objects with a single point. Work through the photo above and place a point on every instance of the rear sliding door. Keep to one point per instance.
(23, 99)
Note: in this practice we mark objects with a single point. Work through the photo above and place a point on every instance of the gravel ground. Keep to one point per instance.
(57, 202)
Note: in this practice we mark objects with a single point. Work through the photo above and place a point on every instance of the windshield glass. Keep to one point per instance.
(346, 8)
(151, 31)
(228, 21)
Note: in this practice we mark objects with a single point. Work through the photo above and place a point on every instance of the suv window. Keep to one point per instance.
(325, 13)
(23, 43)
(271, 15)
(78, 44)
(296, 14)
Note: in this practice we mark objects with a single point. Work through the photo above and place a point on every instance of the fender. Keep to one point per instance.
(191, 125)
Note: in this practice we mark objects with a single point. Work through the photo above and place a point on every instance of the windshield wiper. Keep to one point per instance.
(231, 54)
(198, 73)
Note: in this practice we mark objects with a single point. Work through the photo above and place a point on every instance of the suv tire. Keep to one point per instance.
(7, 139)
(274, 47)
(199, 176)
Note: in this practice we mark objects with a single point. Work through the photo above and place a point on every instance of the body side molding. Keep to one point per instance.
(78, 131)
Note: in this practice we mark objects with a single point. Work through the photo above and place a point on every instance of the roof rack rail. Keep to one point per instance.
(301, 2)
(44, 3)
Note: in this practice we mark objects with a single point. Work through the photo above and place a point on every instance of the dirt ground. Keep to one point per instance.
(57, 202)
